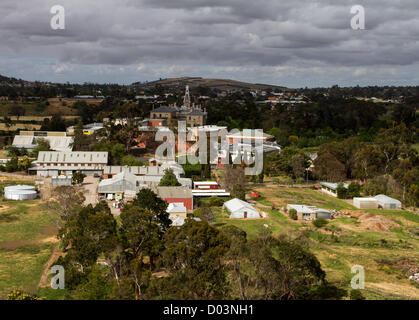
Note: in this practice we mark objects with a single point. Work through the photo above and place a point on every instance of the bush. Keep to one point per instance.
(293, 214)
(356, 295)
(212, 202)
(276, 180)
(354, 190)
(300, 181)
(341, 191)
(318, 223)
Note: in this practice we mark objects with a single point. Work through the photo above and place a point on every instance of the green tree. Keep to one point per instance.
(293, 214)
(91, 233)
(194, 258)
(130, 160)
(356, 295)
(354, 190)
(341, 191)
(238, 192)
(149, 200)
(169, 179)
(78, 177)
(320, 222)
(142, 236)
(97, 285)
(24, 163)
(21, 295)
(41, 145)
(413, 195)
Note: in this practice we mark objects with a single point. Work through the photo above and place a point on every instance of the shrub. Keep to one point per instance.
(356, 295)
(341, 191)
(300, 181)
(354, 190)
(293, 214)
(318, 223)
(212, 202)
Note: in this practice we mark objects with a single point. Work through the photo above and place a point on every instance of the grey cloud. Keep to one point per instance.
(201, 35)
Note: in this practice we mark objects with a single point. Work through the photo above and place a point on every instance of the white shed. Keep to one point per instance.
(386, 202)
(365, 203)
(240, 209)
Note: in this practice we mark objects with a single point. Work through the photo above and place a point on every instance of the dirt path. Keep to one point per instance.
(56, 253)
(90, 187)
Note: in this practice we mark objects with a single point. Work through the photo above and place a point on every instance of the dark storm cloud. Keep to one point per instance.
(210, 36)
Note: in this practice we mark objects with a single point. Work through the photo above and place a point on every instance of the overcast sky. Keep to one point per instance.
(294, 43)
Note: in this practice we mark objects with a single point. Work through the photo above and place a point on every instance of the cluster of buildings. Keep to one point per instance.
(380, 201)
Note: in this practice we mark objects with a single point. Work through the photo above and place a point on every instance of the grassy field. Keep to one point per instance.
(27, 239)
(350, 244)
(63, 107)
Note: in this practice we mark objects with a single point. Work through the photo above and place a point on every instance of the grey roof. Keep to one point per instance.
(166, 109)
(174, 192)
(382, 198)
(237, 204)
(301, 208)
(145, 170)
(96, 157)
(196, 112)
(57, 143)
(122, 182)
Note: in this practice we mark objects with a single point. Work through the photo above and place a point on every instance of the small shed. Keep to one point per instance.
(310, 212)
(240, 209)
(386, 202)
(365, 203)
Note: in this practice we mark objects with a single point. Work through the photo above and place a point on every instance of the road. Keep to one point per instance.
(90, 190)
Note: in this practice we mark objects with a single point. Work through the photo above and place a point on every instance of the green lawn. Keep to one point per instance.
(27, 239)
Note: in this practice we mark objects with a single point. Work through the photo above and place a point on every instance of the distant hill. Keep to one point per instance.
(5, 80)
(193, 82)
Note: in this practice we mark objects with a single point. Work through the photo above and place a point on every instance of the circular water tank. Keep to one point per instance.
(20, 192)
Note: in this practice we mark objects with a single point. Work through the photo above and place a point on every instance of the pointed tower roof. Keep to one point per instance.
(187, 98)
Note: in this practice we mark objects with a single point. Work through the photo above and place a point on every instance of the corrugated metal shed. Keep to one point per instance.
(94, 157)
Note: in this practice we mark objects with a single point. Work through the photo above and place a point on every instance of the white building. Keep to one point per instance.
(53, 163)
(309, 212)
(57, 143)
(389, 203)
(240, 209)
(365, 203)
(331, 188)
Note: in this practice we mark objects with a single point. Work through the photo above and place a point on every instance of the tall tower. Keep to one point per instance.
(187, 98)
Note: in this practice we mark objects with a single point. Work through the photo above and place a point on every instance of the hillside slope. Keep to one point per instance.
(193, 82)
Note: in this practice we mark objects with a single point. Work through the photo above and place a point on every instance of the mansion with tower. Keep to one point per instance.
(189, 112)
